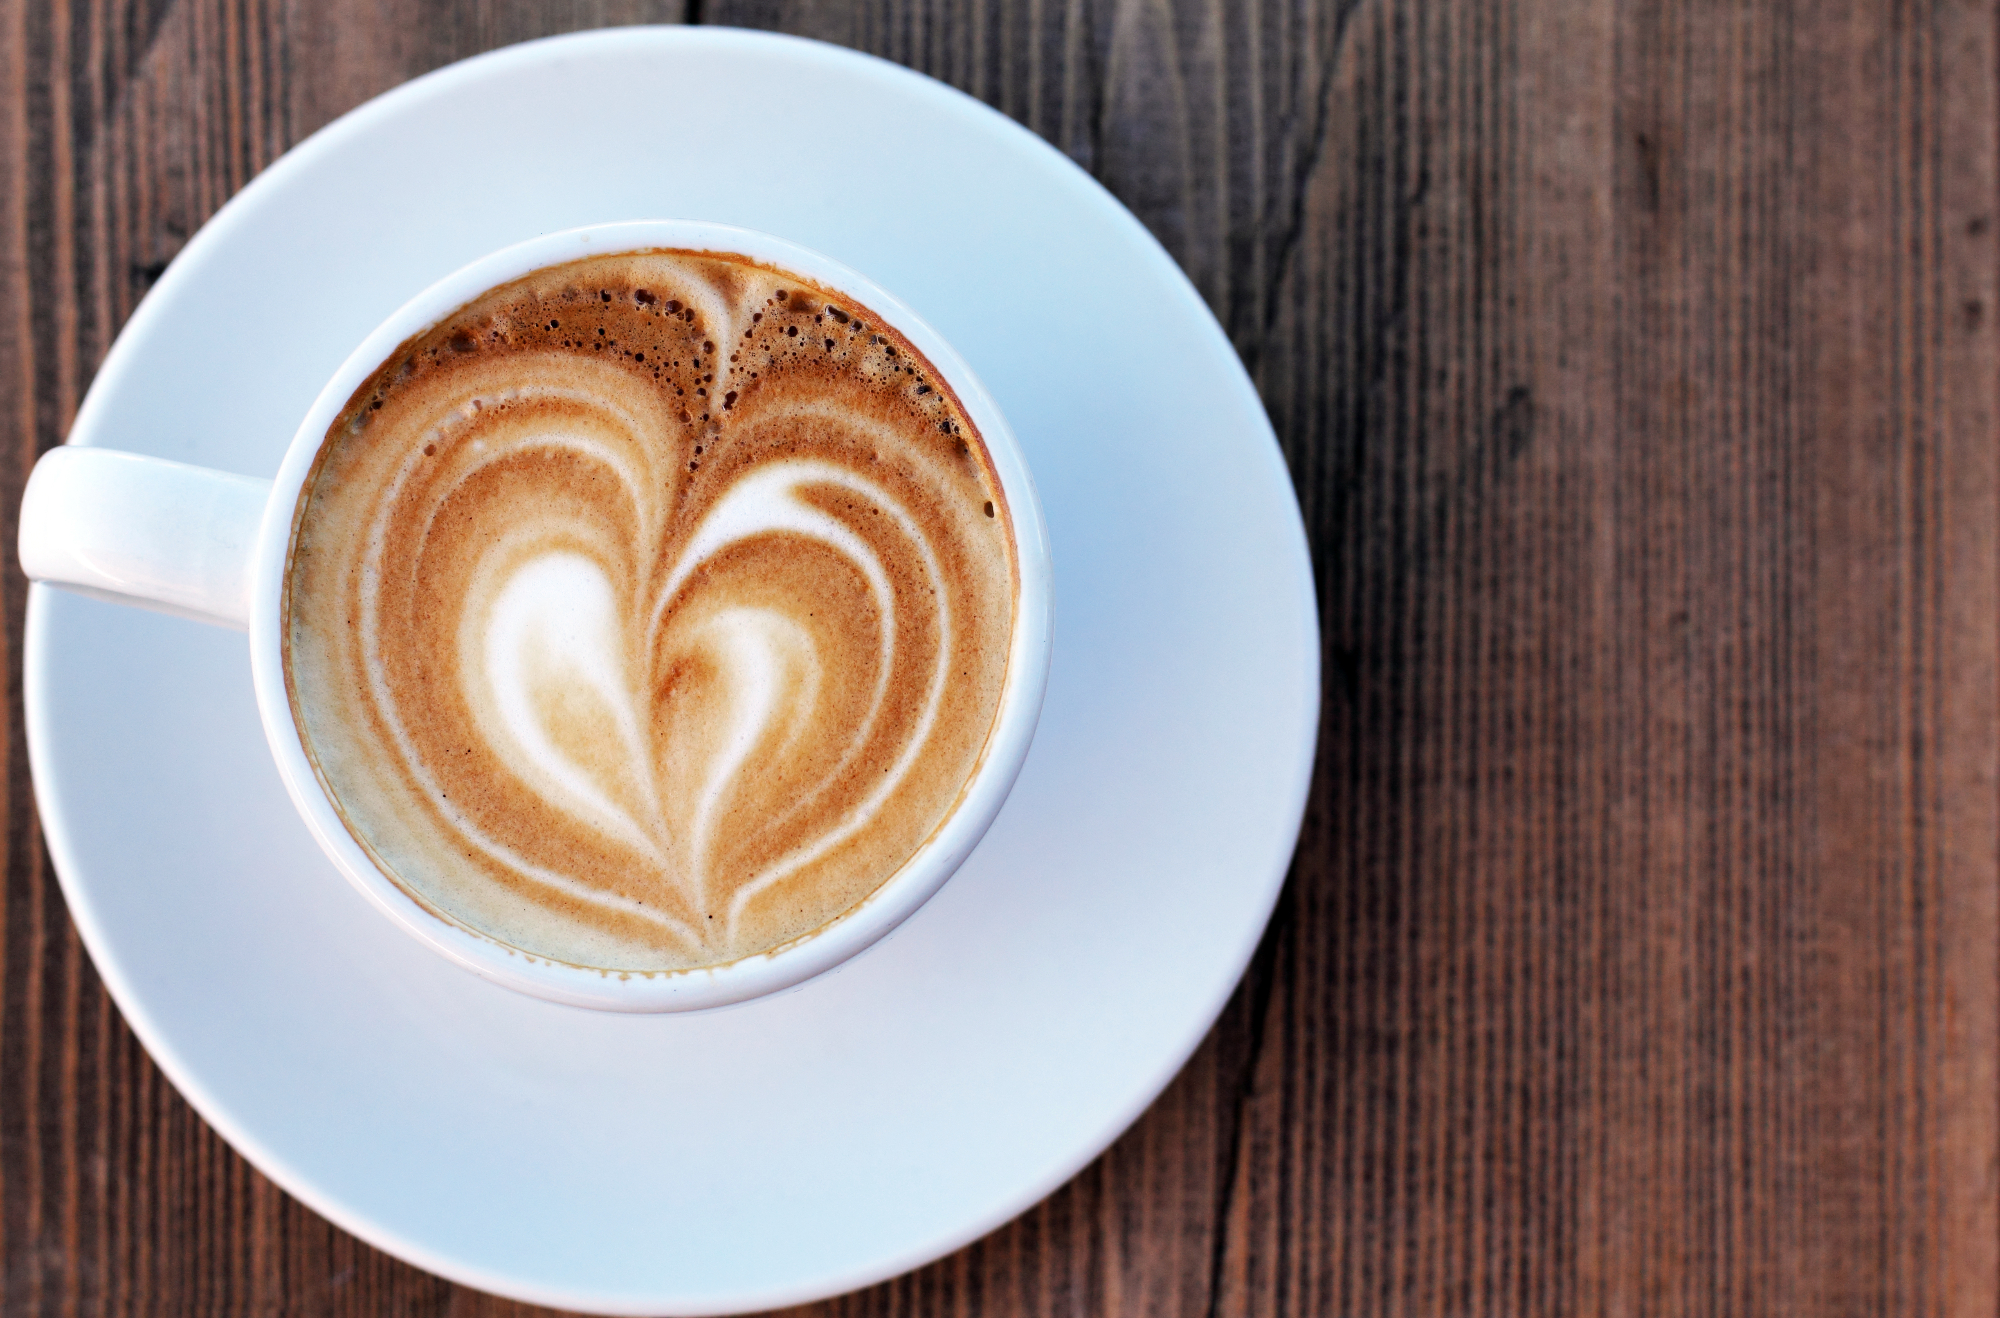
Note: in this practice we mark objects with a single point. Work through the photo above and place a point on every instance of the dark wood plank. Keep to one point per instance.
(1635, 363)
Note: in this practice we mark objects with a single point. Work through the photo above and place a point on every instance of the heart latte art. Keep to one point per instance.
(650, 611)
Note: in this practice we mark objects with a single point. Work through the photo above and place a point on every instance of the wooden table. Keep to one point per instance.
(1635, 362)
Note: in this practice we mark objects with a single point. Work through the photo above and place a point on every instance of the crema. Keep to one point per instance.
(650, 611)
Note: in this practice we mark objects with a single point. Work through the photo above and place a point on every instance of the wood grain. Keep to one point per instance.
(1636, 366)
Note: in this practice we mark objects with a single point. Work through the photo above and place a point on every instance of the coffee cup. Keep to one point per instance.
(236, 551)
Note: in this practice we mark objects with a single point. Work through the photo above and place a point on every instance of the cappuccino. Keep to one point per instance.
(650, 611)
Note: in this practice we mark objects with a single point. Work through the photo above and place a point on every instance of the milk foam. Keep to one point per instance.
(649, 613)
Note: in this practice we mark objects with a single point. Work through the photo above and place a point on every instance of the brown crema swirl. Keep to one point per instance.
(649, 611)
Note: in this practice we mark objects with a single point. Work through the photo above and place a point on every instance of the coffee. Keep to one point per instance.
(650, 611)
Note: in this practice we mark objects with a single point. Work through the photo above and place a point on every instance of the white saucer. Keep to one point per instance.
(879, 1116)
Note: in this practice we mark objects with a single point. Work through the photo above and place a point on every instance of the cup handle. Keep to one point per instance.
(145, 531)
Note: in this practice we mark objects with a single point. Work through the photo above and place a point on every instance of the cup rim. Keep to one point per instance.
(791, 963)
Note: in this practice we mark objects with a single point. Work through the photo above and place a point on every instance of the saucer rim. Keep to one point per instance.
(38, 658)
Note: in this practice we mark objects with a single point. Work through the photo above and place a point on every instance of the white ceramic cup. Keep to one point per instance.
(214, 546)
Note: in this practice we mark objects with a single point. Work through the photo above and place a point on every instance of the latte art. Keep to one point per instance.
(650, 611)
